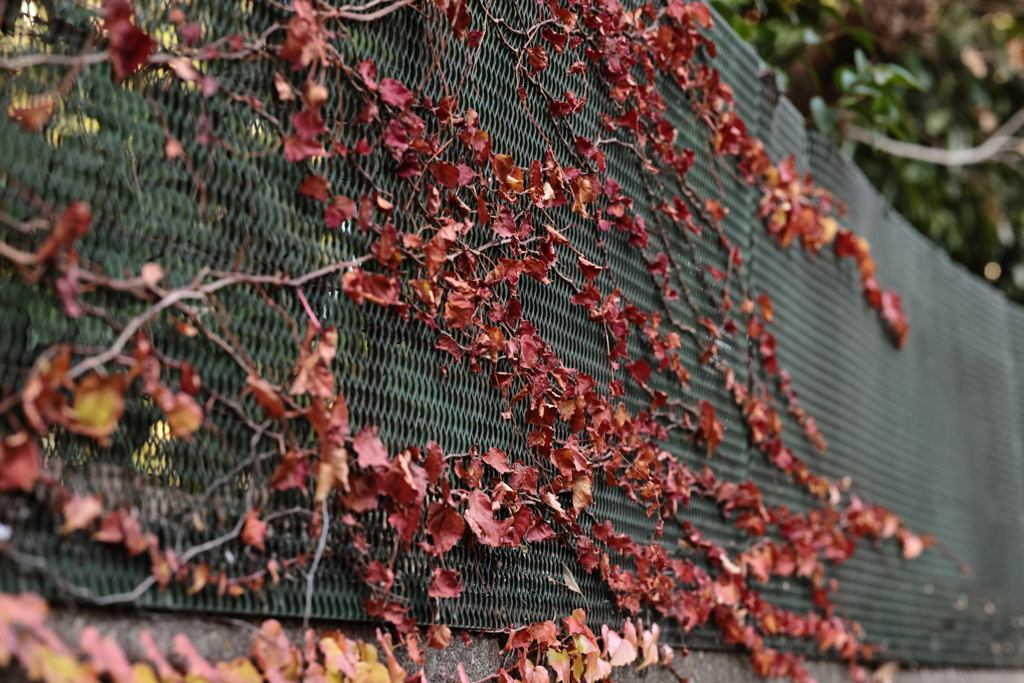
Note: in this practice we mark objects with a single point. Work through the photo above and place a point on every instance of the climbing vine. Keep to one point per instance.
(459, 222)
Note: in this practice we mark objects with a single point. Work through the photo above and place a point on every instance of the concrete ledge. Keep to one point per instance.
(221, 638)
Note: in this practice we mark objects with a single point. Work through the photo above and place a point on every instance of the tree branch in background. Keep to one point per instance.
(994, 6)
(1001, 141)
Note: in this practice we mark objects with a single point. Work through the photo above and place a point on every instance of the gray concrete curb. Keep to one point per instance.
(222, 638)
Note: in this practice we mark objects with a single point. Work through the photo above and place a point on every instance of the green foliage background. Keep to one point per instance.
(941, 73)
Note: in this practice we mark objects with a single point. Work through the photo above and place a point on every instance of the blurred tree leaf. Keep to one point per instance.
(932, 75)
(825, 117)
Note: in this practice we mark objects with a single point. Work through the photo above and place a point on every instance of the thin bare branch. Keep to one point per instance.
(130, 329)
(311, 576)
(22, 258)
(16, 63)
(347, 13)
(1000, 141)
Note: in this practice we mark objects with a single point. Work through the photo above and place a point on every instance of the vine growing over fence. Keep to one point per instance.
(460, 221)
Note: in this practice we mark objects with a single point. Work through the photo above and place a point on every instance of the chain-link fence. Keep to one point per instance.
(933, 431)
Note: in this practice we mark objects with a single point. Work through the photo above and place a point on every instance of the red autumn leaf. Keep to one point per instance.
(184, 417)
(480, 518)
(482, 213)
(700, 12)
(341, 209)
(312, 369)
(710, 430)
(913, 546)
(362, 147)
(163, 668)
(377, 289)
(333, 472)
(755, 328)
(368, 70)
(892, 306)
(446, 343)
(446, 174)
(27, 610)
(848, 244)
(466, 175)
(106, 655)
(767, 310)
(439, 636)
(185, 329)
(80, 512)
(503, 166)
(434, 463)
(305, 40)
(394, 93)
(458, 18)
(72, 225)
(276, 656)
(767, 350)
(189, 382)
(254, 530)
(111, 528)
(892, 313)
(496, 458)
(307, 124)
(445, 584)
(378, 574)
(711, 327)
(537, 58)
(445, 526)
(590, 270)
(121, 527)
(190, 33)
(571, 105)
(129, 46)
(406, 521)
(19, 463)
(369, 448)
(410, 166)
(659, 266)
(619, 650)
(266, 395)
(36, 115)
(297, 148)
(715, 208)
(458, 311)
(556, 39)
(315, 187)
(197, 666)
(872, 292)
(291, 473)
(393, 611)
(135, 542)
(639, 370)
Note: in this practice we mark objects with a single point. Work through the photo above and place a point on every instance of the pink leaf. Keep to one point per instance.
(369, 448)
(394, 93)
(446, 584)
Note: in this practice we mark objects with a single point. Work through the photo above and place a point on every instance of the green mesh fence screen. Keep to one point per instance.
(933, 432)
